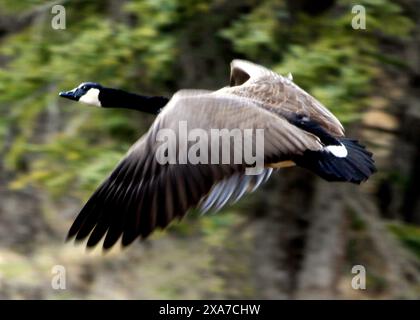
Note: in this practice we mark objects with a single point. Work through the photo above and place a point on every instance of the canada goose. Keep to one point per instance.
(141, 195)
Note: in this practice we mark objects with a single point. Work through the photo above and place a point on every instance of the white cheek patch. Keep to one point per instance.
(338, 151)
(91, 97)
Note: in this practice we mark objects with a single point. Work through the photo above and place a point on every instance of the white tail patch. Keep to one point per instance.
(338, 151)
(91, 97)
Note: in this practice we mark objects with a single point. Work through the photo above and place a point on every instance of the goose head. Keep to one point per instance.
(97, 95)
(86, 92)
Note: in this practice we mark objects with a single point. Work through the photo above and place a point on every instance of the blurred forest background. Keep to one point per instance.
(298, 236)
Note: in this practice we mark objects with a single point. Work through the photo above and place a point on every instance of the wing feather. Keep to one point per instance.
(141, 195)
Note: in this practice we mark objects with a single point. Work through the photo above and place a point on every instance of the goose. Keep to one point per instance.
(142, 195)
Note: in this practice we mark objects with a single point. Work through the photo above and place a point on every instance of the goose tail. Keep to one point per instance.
(348, 161)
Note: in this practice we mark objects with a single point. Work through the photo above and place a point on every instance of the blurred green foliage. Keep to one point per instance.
(66, 148)
(409, 235)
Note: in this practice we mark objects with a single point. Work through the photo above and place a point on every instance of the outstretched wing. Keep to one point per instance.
(141, 194)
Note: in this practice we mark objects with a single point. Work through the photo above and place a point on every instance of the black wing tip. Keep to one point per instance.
(73, 235)
(125, 239)
(356, 167)
(68, 238)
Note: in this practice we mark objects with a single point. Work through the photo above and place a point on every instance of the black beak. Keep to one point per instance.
(69, 95)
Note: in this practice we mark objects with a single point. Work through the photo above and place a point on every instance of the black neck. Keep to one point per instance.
(115, 98)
